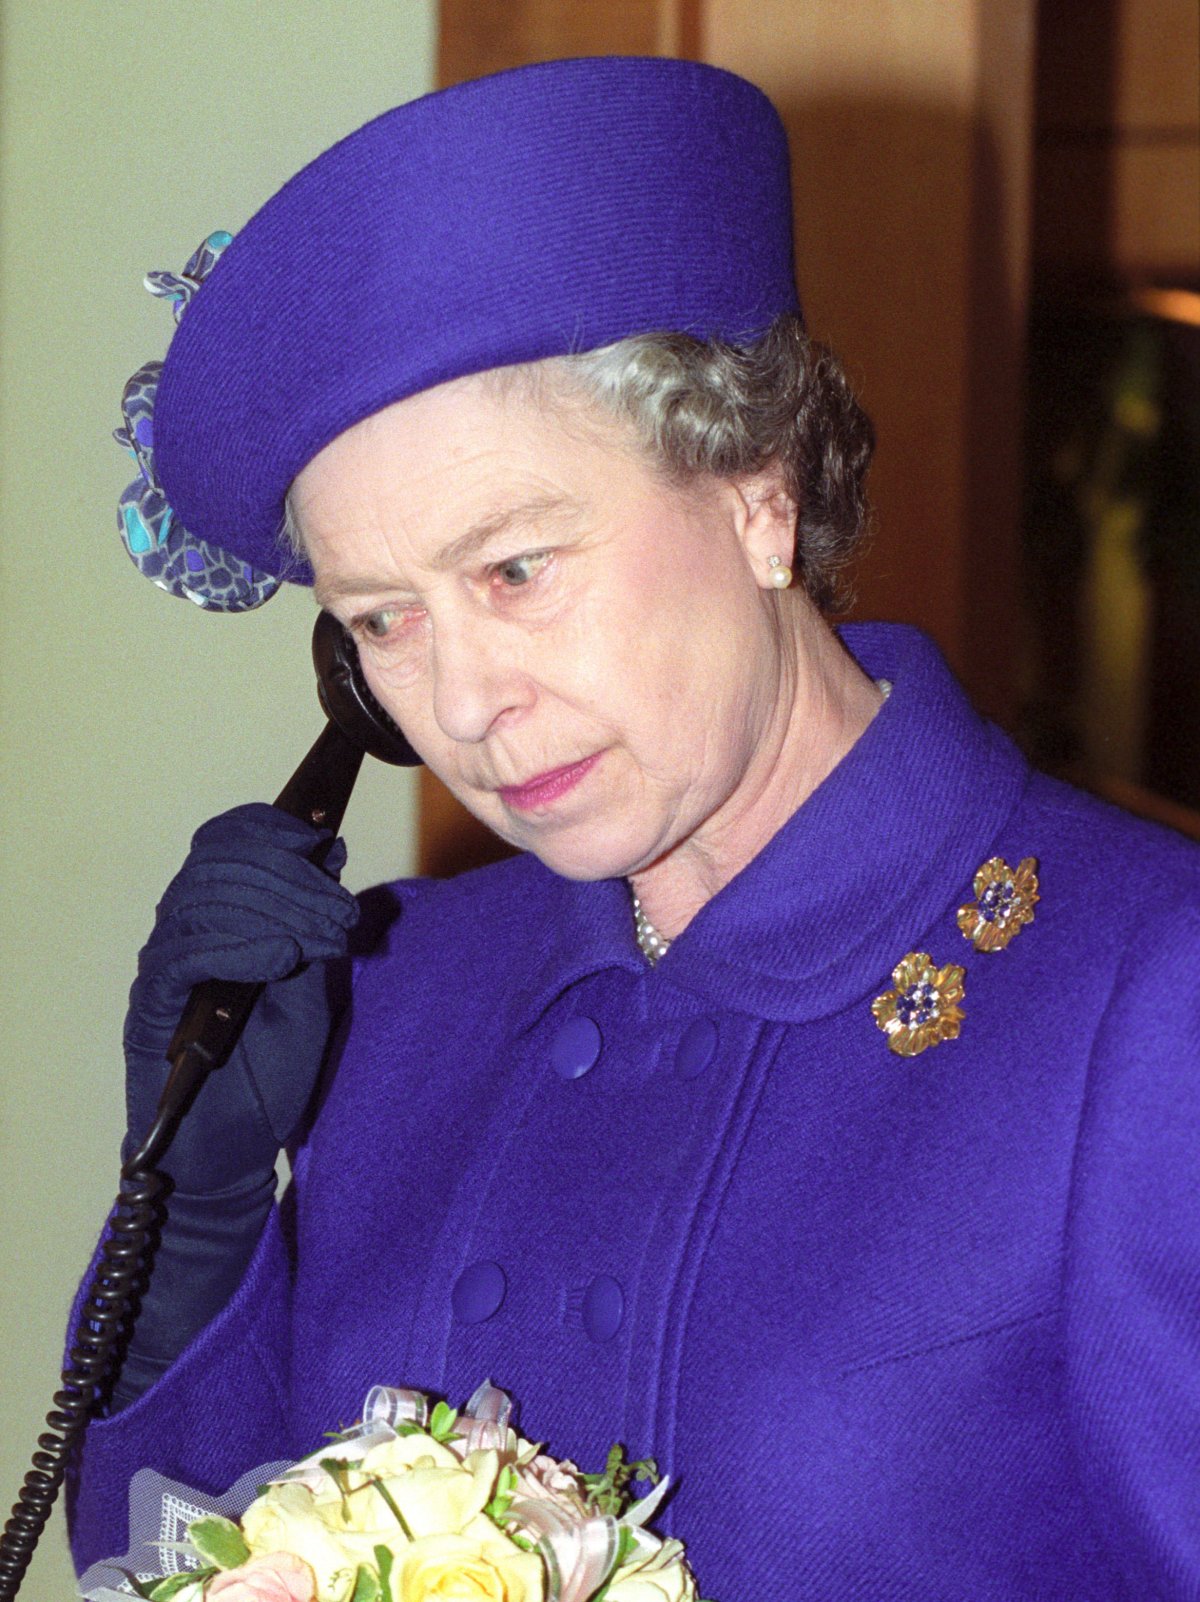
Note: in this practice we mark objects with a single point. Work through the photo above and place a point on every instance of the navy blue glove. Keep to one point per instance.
(248, 904)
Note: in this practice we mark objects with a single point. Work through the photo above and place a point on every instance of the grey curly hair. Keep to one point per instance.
(710, 407)
(706, 406)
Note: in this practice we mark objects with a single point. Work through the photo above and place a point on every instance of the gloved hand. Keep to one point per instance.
(247, 904)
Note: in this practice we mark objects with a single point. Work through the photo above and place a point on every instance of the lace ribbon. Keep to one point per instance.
(160, 1511)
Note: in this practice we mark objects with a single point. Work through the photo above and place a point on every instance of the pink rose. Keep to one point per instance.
(545, 1486)
(274, 1577)
(547, 1480)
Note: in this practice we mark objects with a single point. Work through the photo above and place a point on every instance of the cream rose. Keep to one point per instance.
(275, 1577)
(659, 1575)
(435, 1493)
(468, 1568)
(337, 1524)
(287, 1518)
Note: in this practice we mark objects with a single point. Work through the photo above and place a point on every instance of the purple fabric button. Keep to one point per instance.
(478, 1292)
(696, 1048)
(603, 1308)
(575, 1048)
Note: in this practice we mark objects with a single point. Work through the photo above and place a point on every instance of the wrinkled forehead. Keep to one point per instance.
(446, 473)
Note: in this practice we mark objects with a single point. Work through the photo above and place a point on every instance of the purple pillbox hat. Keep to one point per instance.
(551, 209)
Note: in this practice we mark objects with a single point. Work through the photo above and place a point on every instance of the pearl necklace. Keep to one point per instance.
(651, 944)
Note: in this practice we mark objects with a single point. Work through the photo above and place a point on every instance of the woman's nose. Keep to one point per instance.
(477, 680)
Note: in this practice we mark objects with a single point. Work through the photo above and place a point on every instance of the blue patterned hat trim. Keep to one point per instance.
(158, 544)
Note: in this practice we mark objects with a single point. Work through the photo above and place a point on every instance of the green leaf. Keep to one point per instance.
(502, 1497)
(384, 1558)
(611, 1492)
(442, 1421)
(366, 1586)
(164, 1590)
(219, 1540)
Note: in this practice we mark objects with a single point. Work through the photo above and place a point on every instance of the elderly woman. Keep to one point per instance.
(812, 1103)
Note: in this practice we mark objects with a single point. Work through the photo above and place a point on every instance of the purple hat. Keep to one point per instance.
(551, 209)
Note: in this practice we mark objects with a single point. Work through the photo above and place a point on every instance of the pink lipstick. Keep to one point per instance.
(547, 787)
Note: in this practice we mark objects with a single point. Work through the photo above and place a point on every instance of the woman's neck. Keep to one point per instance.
(826, 702)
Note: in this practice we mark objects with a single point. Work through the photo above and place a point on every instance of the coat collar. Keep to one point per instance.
(857, 875)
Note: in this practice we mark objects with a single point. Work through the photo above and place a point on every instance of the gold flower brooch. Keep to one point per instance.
(924, 1005)
(1004, 901)
(922, 1008)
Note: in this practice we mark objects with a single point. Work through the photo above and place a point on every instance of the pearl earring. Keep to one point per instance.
(781, 574)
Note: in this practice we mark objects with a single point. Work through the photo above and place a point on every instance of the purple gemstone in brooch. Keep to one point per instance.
(923, 1007)
(1004, 901)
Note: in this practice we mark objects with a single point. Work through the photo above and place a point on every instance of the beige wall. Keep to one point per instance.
(127, 133)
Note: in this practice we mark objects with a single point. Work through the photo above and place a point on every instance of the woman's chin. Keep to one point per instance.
(576, 836)
(581, 852)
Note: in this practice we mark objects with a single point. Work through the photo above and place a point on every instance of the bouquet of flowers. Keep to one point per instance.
(421, 1503)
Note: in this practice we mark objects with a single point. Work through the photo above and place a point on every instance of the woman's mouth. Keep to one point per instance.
(545, 788)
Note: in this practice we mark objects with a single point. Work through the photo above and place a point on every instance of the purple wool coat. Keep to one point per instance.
(923, 1328)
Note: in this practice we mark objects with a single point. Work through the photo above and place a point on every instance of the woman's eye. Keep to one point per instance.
(519, 570)
(376, 625)
(383, 623)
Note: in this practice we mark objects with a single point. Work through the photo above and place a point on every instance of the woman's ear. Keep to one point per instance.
(767, 525)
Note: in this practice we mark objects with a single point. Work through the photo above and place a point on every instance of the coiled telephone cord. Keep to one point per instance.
(318, 793)
(103, 1328)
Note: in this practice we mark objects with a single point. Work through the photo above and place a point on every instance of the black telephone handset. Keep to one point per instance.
(215, 1014)
(318, 793)
(346, 698)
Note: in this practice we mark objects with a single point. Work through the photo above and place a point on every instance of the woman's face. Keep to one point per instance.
(585, 654)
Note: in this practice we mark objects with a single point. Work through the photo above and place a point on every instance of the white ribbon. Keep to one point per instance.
(484, 1422)
(386, 1406)
(579, 1553)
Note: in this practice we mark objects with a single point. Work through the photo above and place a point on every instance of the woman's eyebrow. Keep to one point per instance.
(535, 511)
